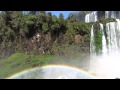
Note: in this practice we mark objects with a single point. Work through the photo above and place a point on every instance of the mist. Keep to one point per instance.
(105, 67)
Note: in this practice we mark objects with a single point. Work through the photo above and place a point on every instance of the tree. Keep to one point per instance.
(61, 17)
(45, 27)
(9, 32)
(81, 28)
(33, 12)
(62, 23)
(72, 17)
(81, 16)
(40, 19)
(77, 16)
(49, 18)
(55, 24)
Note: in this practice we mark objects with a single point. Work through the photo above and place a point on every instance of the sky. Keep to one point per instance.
(65, 13)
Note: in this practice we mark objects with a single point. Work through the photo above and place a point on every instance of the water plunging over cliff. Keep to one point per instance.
(106, 65)
(92, 17)
(110, 33)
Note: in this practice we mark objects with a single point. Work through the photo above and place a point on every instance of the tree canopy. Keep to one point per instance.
(16, 24)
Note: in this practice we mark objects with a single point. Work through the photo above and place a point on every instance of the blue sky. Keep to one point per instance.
(65, 13)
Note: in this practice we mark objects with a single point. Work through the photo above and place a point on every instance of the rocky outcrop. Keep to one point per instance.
(77, 39)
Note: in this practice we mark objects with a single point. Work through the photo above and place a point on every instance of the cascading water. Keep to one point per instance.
(111, 37)
(107, 65)
(118, 32)
(92, 17)
(112, 14)
(92, 46)
(104, 45)
(106, 14)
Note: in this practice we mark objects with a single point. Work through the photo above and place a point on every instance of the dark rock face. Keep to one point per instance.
(95, 26)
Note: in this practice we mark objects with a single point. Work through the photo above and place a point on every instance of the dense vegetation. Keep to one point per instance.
(18, 32)
(26, 36)
(98, 40)
(104, 21)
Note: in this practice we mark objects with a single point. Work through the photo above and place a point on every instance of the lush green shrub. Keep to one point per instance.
(104, 21)
(81, 28)
(98, 41)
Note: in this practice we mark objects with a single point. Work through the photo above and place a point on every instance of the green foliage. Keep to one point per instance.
(16, 26)
(81, 28)
(61, 18)
(70, 33)
(54, 19)
(33, 12)
(31, 20)
(98, 41)
(45, 27)
(55, 26)
(104, 21)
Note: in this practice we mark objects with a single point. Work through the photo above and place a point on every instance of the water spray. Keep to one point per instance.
(54, 72)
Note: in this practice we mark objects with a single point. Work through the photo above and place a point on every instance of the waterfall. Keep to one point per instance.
(118, 32)
(111, 42)
(112, 14)
(107, 65)
(92, 46)
(104, 45)
(111, 37)
(92, 17)
(106, 14)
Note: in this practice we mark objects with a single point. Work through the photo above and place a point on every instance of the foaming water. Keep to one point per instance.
(53, 72)
(107, 66)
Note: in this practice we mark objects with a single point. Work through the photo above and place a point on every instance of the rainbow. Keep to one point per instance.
(61, 67)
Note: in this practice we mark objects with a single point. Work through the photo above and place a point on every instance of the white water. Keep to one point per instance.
(112, 14)
(92, 46)
(112, 37)
(104, 45)
(107, 66)
(92, 17)
(106, 14)
(118, 32)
